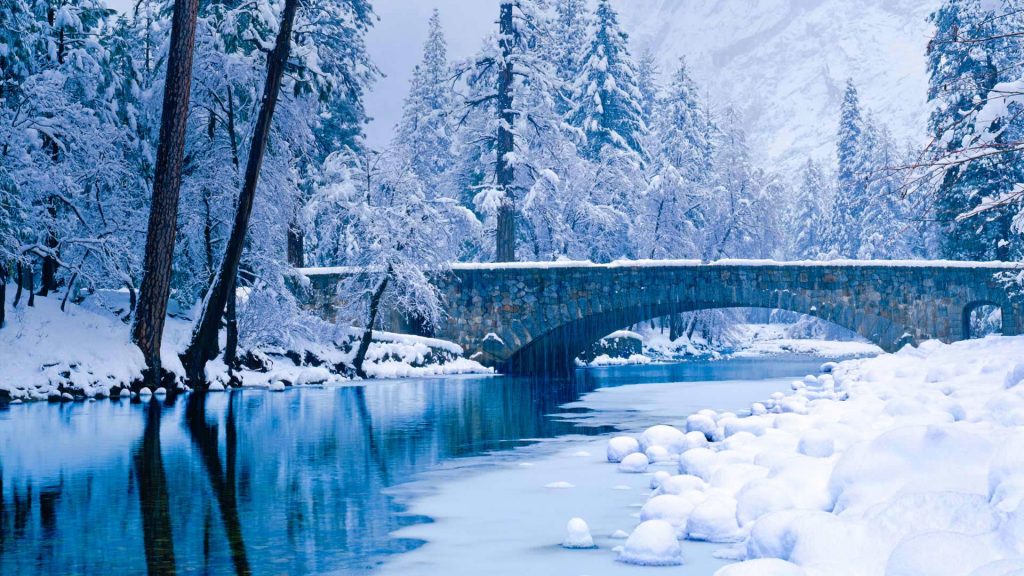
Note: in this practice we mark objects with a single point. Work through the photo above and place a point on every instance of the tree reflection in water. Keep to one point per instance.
(154, 496)
(257, 482)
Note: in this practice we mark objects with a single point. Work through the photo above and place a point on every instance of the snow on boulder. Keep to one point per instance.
(714, 520)
(751, 424)
(816, 444)
(828, 367)
(762, 567)
(701, 423)
(652, 543)
(910, 514)
(681, 483)
(1014, 376)
(658, 454)
(1006, 476)
(940, 554)
(216, 387)
(733, 477)
(762, 497)
(622, 446)
(277, 386)
(578, 535)
(700, 462)
(635, 463)
(1001, 568)
(696, 440)
(659, 477)
(809, 537)
(668, 507)
(910, 459)
(667, 437)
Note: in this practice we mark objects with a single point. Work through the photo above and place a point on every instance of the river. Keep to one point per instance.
(328, 480)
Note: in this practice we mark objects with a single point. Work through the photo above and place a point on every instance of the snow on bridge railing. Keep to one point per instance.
(995, 265)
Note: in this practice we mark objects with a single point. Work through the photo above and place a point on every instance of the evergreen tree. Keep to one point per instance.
(647, 82)
(852, 176)
(810, 207)
(509, 129)
(968, 56)
(569, 41)
(884, 229)
(739, 212)
(608, 103)
(680, 173)
(423, 134)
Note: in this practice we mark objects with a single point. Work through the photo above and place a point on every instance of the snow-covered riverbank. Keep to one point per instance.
(85, 352)
(745, 341)
(903, 464)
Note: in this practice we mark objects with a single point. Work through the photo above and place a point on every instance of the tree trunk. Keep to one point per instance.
(296, 246)
(21, 285)
(675, 328)
(505, 235)
(48, 275)
(3, 294)
(364, 344)
(31, 288)
(203, 346)
(151, 312)
(231, 321)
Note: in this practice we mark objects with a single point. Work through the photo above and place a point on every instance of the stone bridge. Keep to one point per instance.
(537, 317)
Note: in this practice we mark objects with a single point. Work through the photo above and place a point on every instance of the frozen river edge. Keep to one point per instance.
(907, 463)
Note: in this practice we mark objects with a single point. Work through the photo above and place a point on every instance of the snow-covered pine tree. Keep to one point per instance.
(885, 230)
(647, 82)
(508, 129)
(737, 209)
(808, 223)
(424, 134)
(607, 100)
(571, 32)
(968, 56)
(851, 179)
(681, 166)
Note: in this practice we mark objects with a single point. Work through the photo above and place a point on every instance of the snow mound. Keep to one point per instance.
(634, 463)
(652, 543)
(578, 535)
(670, 439)
(622, 446)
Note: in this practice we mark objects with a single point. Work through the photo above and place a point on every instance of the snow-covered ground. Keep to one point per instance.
(86, 351)
(902, 464)
(742, 341)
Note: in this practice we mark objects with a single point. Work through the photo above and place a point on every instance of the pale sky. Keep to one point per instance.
(396, 45)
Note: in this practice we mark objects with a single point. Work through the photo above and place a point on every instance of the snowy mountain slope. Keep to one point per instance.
(784, 62)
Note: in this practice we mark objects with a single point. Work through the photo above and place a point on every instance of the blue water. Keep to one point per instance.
(268, 483)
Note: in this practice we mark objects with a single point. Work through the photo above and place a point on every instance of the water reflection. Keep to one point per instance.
(257, 482)
(154, 497)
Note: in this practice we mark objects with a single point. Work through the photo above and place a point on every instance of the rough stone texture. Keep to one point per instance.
(544, 317)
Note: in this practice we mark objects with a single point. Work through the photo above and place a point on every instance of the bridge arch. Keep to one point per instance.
(972, 307)
(555, 351)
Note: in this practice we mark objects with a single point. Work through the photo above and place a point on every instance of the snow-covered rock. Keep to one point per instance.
(652, 543)
(621, 446)
(667, 437)
(578, 535)
(634, 463)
